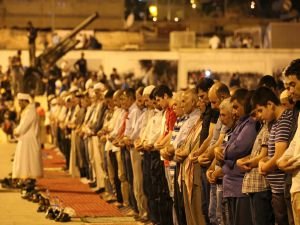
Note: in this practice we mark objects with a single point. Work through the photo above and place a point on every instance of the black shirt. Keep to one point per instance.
(209, 116)
(82, 66)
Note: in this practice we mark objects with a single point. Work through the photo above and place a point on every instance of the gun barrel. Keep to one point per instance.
(56, 52)
(82, 25)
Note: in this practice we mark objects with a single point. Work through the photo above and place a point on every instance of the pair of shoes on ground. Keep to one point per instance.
(44, 204)
(57, 215)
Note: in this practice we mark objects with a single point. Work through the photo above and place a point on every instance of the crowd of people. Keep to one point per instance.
(206, 155)
(212, 154)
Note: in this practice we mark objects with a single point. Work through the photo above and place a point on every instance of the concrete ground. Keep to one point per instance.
(15, 210)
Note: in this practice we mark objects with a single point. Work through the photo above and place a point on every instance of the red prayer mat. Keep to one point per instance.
(69, 191)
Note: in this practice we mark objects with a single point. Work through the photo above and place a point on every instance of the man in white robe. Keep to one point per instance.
(28, 157)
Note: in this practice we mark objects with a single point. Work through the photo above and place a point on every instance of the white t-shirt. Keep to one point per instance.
(294, 152)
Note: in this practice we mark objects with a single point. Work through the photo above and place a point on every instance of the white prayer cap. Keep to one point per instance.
(73, 89)
(53, 101)
(284, 94)
(99, 86)
(50, 97)
(24, 96)
(65, 74)
(68, 98)
(63, 94)
(148, 90)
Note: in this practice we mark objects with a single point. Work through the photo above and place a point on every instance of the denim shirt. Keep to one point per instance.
(239, 145)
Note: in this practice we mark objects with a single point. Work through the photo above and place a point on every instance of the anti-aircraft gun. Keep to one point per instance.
(32, 81)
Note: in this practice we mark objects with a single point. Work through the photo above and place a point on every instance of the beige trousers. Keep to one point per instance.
(138, 189)
(193, 208)
(122, 178)
(296, 207)
(73, 168)
(97, 161)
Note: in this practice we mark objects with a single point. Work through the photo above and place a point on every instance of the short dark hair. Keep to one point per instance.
(262, 95)
(130, 92)
(162, 90)
(222, 91)
(204, 84)
(109, 94)
(140, 90)
(243, 97)
(293, 69)
(268, 81)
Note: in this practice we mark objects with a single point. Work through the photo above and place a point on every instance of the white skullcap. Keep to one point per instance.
(50, 97)
(68, 98)
(284, 94)
(73, 89)
(99, 86)
(53, 101)
(24, 96)
(63, 94)
(58, 84)
(148, 90)
(64, 74)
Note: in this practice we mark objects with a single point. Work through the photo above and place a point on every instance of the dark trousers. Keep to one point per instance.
(237, 211)
(67, 151)
(280, 209)
(178, 198)
(89, 174)
(160, 196)
(125, 155)
(81, 159)
(114, 162)
(261, 208)
(146, 167)
(60, 137)
(205, 185)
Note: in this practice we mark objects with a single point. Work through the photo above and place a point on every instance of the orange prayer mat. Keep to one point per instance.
(69, 191)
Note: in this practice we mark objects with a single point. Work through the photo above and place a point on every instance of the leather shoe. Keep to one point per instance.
(50, 214)
(63, 217)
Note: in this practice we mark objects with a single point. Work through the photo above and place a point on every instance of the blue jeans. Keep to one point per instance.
(212, 204)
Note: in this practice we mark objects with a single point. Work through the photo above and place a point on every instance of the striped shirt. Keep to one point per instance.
(280, 132)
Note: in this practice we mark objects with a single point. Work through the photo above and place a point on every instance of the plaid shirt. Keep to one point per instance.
(254, 182)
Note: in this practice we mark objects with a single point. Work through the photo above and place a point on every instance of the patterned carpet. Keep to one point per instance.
(70, 191)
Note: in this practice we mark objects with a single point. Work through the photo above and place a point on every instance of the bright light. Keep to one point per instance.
(252, 5)
(176, 19)
(153, 10)
(192, 1)
(207, 73)
(154, 19)
(194, 6)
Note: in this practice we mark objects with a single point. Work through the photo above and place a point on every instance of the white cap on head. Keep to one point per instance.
(63, 94)
(53, 101)
(99, 86)
(68, 98)
(50, 97)
(284, 94)
(148, 90)
(73, 89)
(24, 96)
